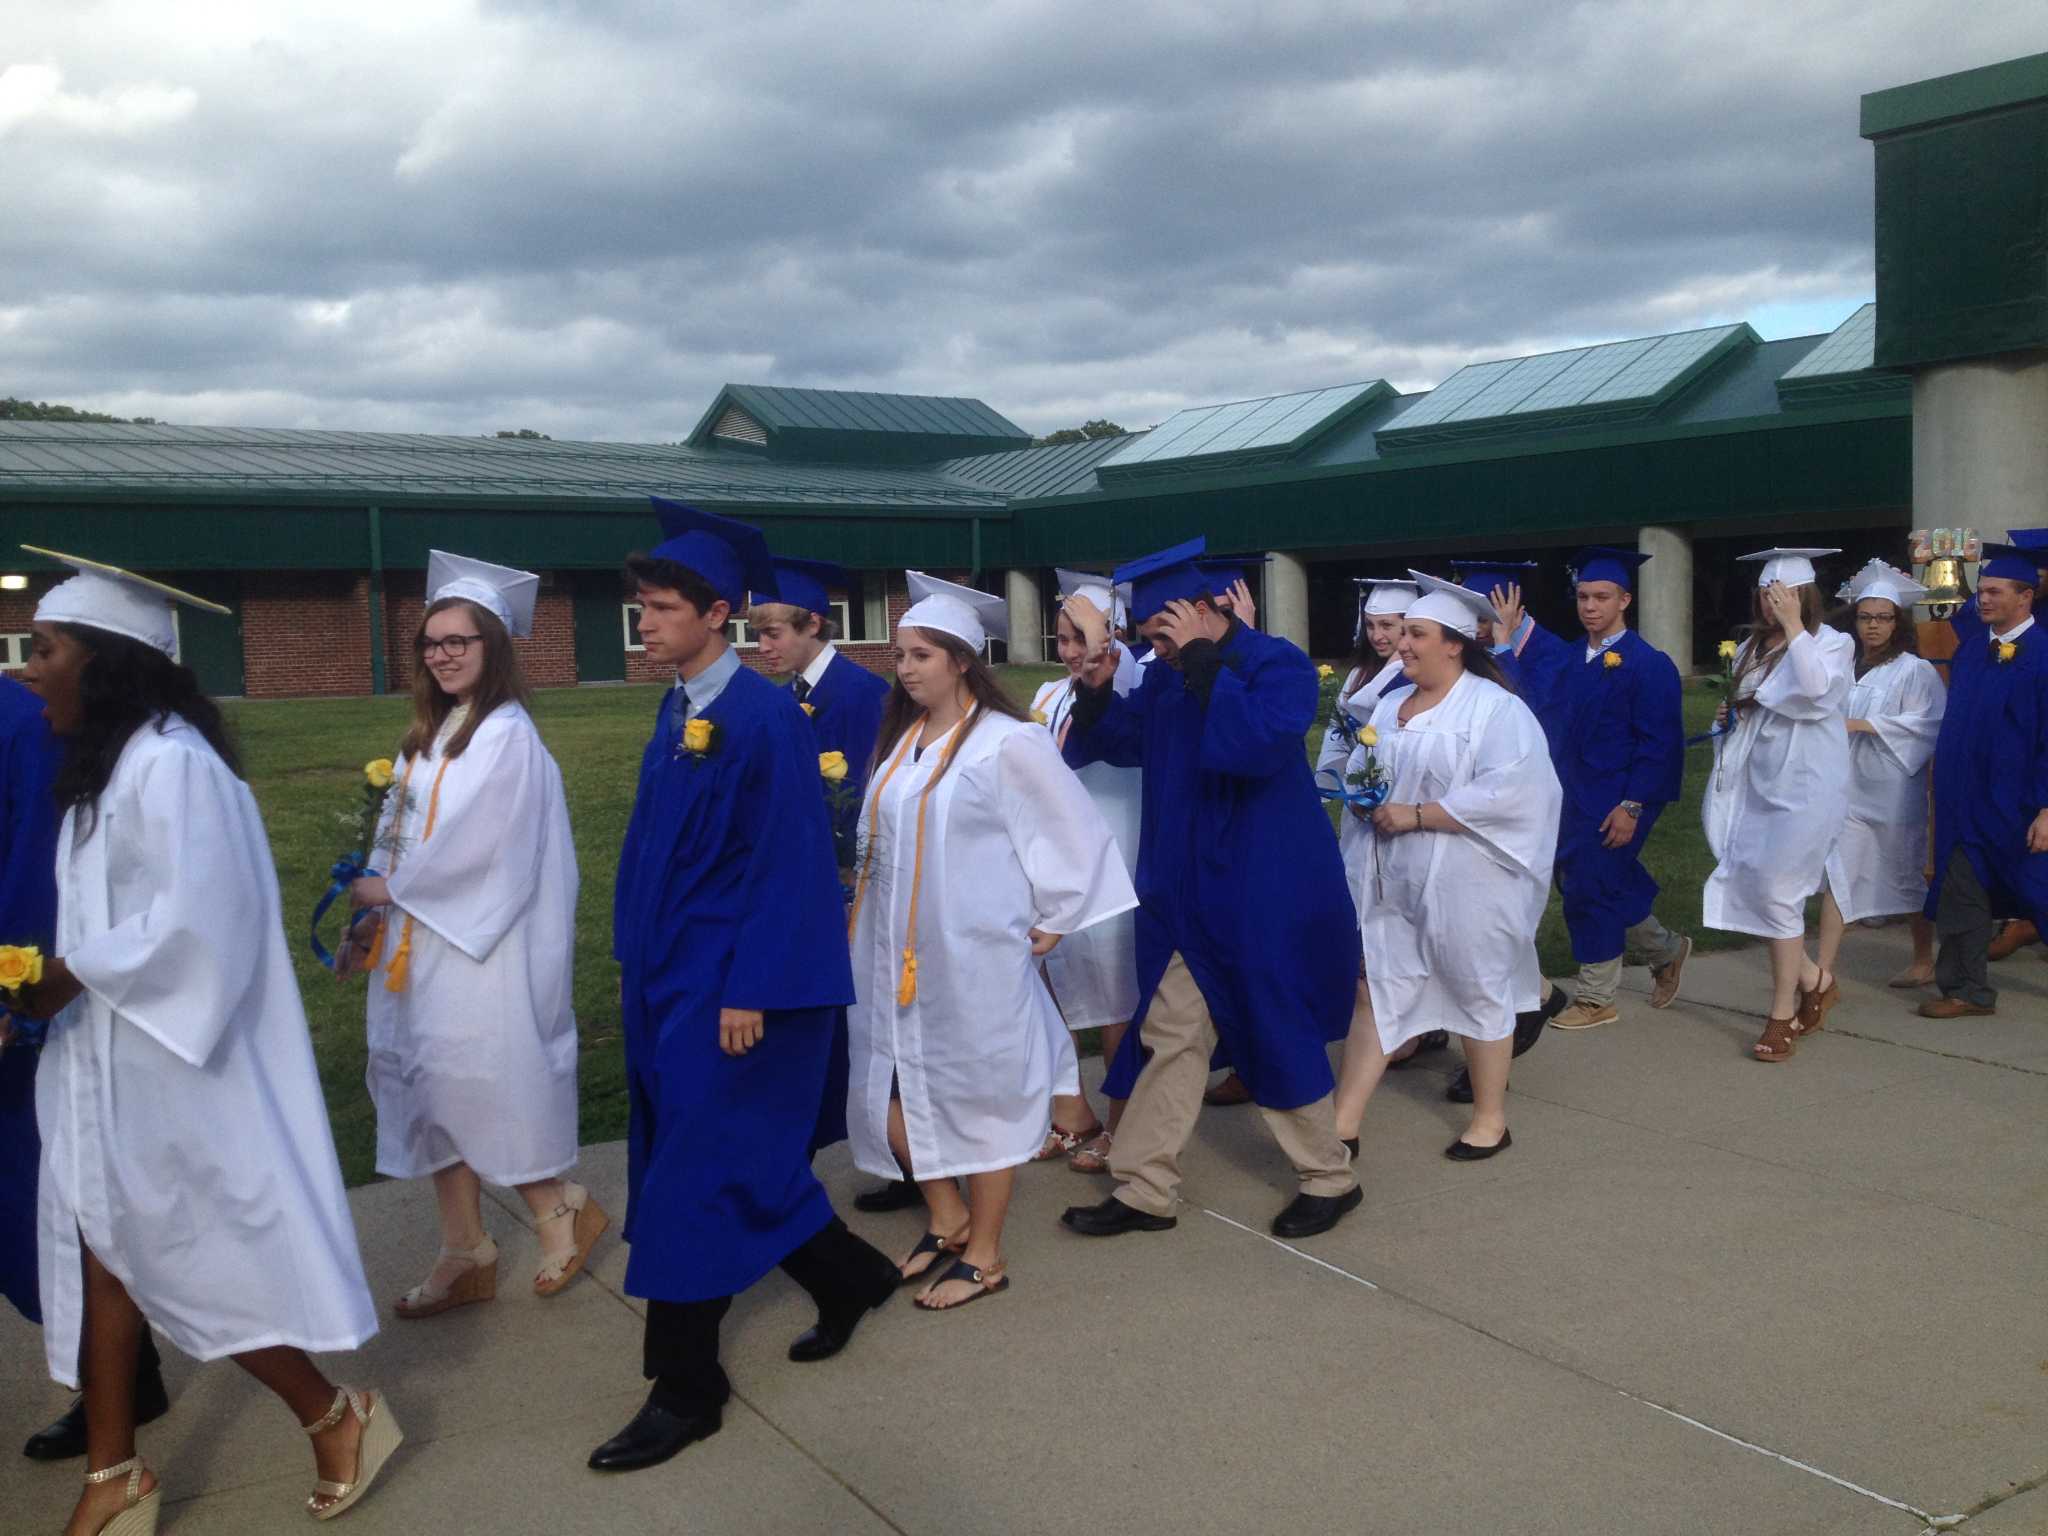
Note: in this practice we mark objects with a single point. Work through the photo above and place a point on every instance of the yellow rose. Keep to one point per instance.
(1368, 736)
(1727, 650)
(808, 707)
(1611, 659)
(697, 735)
(1326, 671)
(21, 965)
(1038, 717)
(2007, 650)
(378, 771)
(832, 765)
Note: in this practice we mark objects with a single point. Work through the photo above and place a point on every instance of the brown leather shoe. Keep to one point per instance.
(2012, 938)
(1586, 1016)
(1230, 1091)
(1954, 1008)
(1665, 978)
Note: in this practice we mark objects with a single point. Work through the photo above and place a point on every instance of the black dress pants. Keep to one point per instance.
(844, 1275)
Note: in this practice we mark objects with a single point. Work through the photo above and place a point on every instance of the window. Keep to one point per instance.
(737, 632)
(14, 652)
(629, 616)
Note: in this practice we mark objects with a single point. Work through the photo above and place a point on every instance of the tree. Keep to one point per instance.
(526, 434)
(1087, 432)
(12, 409)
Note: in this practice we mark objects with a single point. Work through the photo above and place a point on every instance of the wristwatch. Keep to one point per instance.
(1634, 808)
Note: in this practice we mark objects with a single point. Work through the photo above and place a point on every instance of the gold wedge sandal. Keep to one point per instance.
(380, 1437)
(477, 1283)
(138, 1516)
(556, 1271)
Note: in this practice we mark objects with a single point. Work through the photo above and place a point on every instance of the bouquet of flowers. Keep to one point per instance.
(842, 804)
(1365, 787)
(380, 783)
(21, 965)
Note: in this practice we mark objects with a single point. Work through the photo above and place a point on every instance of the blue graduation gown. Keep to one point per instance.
(1616, 733)
(1991, 769)
(1237, 870)
(1535, 674)
(846, 716)
(29, 756)
(727, 897)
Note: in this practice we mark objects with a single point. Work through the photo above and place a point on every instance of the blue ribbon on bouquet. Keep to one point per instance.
(1706, 736)
(29, 1032)
(1366, 799)
(346, 872)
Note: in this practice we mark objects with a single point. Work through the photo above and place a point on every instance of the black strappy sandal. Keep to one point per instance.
(930, 1243)
(987, 1281)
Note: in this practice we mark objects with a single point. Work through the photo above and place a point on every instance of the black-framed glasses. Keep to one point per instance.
(454, 647)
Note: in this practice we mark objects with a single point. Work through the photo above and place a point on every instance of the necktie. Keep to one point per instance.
(801, 688)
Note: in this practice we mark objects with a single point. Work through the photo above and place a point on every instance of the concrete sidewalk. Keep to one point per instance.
(1700, 1294)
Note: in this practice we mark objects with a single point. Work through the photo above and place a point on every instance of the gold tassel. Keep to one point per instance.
(395, 973)
(906, 991)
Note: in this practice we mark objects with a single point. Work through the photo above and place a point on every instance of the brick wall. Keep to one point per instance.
(547, 656)
(305, 633)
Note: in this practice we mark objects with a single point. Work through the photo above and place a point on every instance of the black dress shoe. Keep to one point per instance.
(1310, 1214)
(64, 1436)
(653, 1437)
(1462, 1151)
(825, 1338)
(899, 1195)
(1460, 1089)
(1112, 1218)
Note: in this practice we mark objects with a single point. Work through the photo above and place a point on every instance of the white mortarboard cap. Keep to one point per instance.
(117, 601)
(1098, 589)
(1878, 579)
(1794, 567)
(952, 609)
(504, 592)
(1451, 605)
(1389, 595)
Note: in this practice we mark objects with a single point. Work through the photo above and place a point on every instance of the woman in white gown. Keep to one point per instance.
(980, 849)
(1778, 794)
(1094, 973)
(1374, 668)
(1879, 865)
(188, 1178)
(1451, 872)
(472, 1031)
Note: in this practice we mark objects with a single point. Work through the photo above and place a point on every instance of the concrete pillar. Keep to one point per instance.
(1286, 610)
(1663, 604)
(1027, 615)
(1980, 444)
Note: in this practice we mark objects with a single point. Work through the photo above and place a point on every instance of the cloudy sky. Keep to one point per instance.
(463, 215)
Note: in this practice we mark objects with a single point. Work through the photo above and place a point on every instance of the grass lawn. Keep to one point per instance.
(304, 761)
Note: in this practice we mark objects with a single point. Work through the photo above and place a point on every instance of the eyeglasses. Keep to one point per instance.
(455, 647)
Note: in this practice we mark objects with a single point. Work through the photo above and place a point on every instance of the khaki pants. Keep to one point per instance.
(1648, 943)
(1167, 1099)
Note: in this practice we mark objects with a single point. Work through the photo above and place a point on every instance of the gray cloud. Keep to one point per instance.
(583, 217)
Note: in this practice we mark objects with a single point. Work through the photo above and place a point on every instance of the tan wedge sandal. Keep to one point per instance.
(138, 1516)
(557, 1270)
(380, 1437)
(479, 1282)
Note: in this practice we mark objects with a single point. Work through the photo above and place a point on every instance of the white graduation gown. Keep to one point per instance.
(1879, 864)
(1012, 842)
(184, 1134)
(474, 1061)
(1094, 973)
(1335, 749)
(1778, 794)
(1447, 920)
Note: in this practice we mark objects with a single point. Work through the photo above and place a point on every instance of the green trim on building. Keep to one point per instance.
(1945, 98)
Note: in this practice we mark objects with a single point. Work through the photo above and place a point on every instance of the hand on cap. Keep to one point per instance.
(1098, 665)
(1241, 604)
(1186, 623)
(1782, 604)
(1507, 613)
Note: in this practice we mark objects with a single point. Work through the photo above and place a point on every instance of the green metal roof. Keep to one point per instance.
(1842, 365)
(2009, 83)
(838, 424)
(1056, 471)
(1242, 432)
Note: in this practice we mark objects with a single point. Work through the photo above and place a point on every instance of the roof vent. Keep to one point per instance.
(735, 425)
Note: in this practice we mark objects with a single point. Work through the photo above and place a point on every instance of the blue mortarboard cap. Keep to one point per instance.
(1161, 578)
(807, 584)
(2023, 559)
(732, 557)
(1223, 574)
(1482, 576)
(1603, 562)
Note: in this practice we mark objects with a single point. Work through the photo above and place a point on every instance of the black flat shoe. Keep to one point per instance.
(653, 1437)
(898, 1195)
(64, 1436)
(1351, 1146)
(1309, 1214)
(1460, 1089)
(1112, 1218)
(1529, 1026)
(1462, 1151)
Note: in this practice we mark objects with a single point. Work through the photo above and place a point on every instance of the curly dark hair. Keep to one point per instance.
(125, 686)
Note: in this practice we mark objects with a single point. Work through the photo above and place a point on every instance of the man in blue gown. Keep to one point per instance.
(731, 939)
(1991, 778)
(29, 759)
(1246, 933)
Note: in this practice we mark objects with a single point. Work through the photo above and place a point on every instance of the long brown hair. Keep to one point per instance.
(502, 681)
(1756, 657)
(1905, 640)
(901, 712)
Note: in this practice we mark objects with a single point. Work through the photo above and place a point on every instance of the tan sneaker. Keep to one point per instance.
(1585, 1016)
(1664, 979)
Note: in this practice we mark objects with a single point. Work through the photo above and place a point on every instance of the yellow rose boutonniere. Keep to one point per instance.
(378, 772)
(1368, 736)
(1726, 650)
(700, 737)
(1325, 671)
(832, 766)
(1611, 660)
(2006, 651)
(21, 965)
(1038, 717)
(808, 707)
